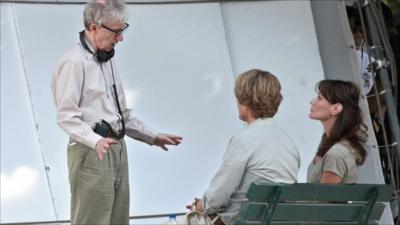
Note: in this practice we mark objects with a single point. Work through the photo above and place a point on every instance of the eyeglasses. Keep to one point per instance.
(116, 32)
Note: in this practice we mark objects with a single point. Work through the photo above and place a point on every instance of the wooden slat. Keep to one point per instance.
(320, 192)
(310, 212)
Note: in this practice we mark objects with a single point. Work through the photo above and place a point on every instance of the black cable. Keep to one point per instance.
(122, 134)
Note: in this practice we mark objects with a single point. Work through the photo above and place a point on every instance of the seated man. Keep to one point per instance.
(261, 152)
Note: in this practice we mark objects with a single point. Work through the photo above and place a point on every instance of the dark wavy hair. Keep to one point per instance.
(349, 124)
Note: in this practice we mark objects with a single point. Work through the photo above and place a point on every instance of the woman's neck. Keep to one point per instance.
(328, 125)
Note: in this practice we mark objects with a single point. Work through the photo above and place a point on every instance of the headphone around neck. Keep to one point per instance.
(101, 55)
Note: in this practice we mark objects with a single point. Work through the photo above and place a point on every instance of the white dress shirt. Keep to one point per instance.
(83, 95)
(261, 152)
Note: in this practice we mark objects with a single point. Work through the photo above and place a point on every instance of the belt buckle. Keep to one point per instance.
(118, 133)
(110, 134)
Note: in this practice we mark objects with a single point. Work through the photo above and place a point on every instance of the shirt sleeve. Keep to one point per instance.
(67, 85)
(227, 179)
(136, 129)
(335, 161)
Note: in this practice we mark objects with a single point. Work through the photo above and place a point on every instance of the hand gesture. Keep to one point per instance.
(196, 205)
(167, 139)
(103, 146)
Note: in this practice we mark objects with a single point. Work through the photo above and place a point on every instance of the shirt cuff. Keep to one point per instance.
(149, 137)
(204, 204)
(146, 135)
(92, 139)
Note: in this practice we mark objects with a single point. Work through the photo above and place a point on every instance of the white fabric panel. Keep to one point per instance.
(178, 63)
(23, 180)
(177, 71)
(45, 32)
(178, 77)
(279, 36)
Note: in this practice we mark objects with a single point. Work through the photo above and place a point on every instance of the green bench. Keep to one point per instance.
(321, 204)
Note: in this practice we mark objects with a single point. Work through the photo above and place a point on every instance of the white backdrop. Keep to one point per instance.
(178, 63)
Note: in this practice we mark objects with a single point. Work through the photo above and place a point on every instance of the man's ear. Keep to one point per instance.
(336, 109)
(92, 27)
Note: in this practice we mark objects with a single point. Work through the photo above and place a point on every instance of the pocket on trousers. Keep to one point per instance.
(94, 166)
(77, 153)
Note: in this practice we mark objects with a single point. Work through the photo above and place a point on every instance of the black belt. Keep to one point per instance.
(113, 134)
(104, 129)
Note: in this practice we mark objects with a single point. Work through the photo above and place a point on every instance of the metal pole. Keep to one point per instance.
(381, 68)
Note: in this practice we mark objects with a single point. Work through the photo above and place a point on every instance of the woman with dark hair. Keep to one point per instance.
(341, 149)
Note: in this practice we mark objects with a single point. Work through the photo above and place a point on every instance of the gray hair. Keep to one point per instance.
(104, 11)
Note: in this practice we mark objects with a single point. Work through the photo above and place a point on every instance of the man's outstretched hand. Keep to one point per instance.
(167, 139)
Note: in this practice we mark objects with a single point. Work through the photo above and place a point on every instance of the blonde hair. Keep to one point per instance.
(260, 91)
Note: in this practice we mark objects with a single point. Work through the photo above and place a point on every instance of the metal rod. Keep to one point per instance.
(378, 38)
(34, 114)
(68, 221)
(379, 94)
(377, 98)
(391, 145)
(129, 2)
(383, 75)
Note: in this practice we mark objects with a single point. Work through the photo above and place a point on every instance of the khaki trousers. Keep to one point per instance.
(99, 188)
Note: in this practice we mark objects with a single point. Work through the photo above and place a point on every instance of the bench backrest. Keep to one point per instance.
(314, 204)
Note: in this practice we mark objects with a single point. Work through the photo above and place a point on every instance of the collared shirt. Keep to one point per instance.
(339, 159)
(83, 95)
(261, 152)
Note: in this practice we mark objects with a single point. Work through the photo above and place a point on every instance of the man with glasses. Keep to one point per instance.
(91, 108)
